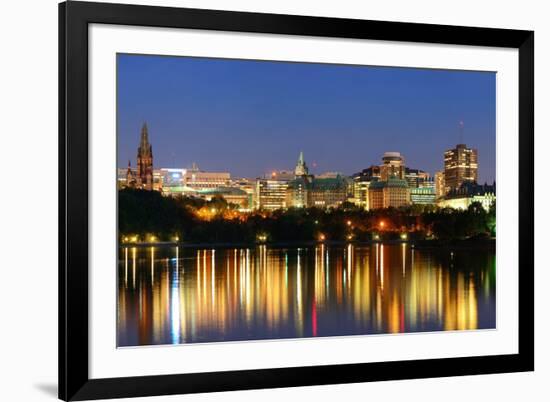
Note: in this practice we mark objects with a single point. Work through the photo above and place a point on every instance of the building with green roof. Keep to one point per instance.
(393, 192)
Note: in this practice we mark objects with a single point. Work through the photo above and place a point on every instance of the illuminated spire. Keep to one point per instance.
(301, 167)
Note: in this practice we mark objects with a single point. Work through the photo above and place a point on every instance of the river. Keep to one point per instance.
(175, 295)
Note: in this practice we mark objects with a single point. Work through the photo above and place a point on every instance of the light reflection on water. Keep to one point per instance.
(171, 295)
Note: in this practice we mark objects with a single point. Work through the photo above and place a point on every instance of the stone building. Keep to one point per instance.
(144, 177)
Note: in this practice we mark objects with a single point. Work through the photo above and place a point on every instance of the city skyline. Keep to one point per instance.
(182, 138)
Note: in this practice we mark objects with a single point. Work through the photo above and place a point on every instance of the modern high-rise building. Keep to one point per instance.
(393, 164)
(144, 177)
(460, 167)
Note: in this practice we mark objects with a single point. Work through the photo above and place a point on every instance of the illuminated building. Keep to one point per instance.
(423, 195)
(416, 177)
(301, 167)
(298, 192)
(230, 194)
(280, 175)
(172, 177)
(172, 182)
(360, 192)
(467, 194)
(393, 192)
(144, 178)
(130, 176)
(361, 182)
(157, 180)
(326, 193)
(439, 180)
(200, 180)
(179, 191)
(393, 164)
(314, 192)
(329, 175)
(126, 177)
(248, 186)
(369, 174)
(271, 194)
(305, 190)
(460, 167)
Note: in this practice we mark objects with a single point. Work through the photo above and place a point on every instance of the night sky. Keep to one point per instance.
(252, 117)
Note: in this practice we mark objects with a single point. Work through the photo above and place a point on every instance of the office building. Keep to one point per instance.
(416, 177)
(200, 180)
(393, 165)
(460, 167)
(271, 194)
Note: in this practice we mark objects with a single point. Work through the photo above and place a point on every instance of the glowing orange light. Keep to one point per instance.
(382, 224)
(349, 223)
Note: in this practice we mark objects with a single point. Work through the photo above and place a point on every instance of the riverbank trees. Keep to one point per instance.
(144, 214)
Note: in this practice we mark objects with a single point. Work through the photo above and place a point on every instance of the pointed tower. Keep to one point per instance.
(301, 167)
(130, 178)
(145, 161)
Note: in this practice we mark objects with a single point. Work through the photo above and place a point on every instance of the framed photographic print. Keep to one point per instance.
(256, 200)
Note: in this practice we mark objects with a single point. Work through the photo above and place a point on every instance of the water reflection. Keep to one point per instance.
(171, 295)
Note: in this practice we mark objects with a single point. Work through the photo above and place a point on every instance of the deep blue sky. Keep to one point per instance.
(252, 117)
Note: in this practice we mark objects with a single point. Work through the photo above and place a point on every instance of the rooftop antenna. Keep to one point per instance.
(461, 131)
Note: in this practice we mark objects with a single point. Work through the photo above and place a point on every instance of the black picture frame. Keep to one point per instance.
(74, 18)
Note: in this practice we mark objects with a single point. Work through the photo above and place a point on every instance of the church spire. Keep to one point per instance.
(144, 136)
(145, 160)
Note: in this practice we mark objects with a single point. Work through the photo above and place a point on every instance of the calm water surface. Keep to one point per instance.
(172, 295)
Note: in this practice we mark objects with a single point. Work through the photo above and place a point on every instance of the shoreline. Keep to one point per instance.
(421, 244)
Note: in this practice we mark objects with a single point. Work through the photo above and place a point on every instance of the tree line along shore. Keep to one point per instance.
(147, 216)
